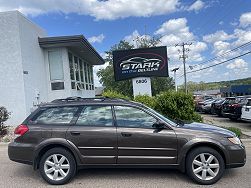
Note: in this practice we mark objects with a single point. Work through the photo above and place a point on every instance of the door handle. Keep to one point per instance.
(126, 134)
(74, 133)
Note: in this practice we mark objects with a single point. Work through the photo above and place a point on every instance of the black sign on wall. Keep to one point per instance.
(143, 62)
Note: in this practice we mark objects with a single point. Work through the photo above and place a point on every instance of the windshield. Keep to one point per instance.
(167, 120)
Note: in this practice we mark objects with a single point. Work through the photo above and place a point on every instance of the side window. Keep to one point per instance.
(133, 117)
(55, 115)
(96, 116)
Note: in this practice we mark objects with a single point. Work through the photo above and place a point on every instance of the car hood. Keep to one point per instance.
(208, 128)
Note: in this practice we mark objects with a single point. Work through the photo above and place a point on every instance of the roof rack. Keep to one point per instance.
(77, 99)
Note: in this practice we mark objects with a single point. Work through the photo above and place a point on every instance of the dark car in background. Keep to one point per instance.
(216, 107)
(69, 134)
(233, 108)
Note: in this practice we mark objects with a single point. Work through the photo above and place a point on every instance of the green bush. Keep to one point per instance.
(177, 105)
(114, 94)
(146, 100)
(4, 116)
(236, 130)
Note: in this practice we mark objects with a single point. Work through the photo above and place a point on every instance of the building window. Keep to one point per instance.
(81, 73)
(56, 70)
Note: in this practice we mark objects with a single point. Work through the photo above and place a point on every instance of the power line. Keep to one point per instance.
(219, 63)
(225, 53)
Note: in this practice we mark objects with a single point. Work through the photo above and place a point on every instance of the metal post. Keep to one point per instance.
(175, 81)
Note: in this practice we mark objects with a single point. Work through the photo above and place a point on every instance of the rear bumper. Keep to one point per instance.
(245, 119)
(231, 115)
(20, 152)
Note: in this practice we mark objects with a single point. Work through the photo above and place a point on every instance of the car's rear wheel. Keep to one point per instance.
(57, 166)
(205, 165)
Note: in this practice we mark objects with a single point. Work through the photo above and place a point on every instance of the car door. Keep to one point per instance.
(139, 142)
(94, 134)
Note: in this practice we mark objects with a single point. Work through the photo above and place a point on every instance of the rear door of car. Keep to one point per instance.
(139, 142)
(94, 134)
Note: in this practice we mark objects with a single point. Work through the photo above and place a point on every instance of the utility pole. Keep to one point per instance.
(175, 81)
(184, 57)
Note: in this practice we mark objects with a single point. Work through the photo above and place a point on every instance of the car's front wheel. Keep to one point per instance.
(57, 166)
(205, 165)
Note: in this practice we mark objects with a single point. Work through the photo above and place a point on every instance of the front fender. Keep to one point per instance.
(200, 142)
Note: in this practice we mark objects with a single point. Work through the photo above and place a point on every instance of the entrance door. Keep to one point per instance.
(139, 142)
(95, 135)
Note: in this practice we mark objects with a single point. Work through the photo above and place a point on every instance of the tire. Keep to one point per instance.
(64, 170)
(203, 175)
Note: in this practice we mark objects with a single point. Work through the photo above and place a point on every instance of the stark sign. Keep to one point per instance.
(145, 62)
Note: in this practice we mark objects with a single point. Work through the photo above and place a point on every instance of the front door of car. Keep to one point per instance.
(94, 134)
(139, 142)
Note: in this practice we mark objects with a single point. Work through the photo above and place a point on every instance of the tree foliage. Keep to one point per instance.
(124, 87)
(4, 116)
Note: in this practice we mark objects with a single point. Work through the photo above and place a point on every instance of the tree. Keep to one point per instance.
(124, 87)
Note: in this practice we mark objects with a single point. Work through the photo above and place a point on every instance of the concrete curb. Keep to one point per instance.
(4, 143)
(246, 140)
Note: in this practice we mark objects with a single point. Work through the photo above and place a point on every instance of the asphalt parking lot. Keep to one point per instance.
(19, 175)
(226, 122)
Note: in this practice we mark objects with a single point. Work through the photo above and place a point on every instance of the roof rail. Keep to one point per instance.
(72, 99)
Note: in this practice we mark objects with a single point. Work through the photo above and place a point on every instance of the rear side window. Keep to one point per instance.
(55, 115)
(96, 116)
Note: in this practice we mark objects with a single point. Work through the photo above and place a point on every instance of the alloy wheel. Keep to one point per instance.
(205, 166)
(56, 167)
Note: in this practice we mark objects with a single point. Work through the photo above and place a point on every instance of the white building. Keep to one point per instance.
(35, 68)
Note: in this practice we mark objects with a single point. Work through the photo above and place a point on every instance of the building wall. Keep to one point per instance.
(24, 68)
(35, 84)
(12, 91)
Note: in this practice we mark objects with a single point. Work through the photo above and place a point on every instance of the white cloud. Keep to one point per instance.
(217, 36)
(175, 31)
(134, 37)
(245, 19)
(196, 6)
(238, 64)
(221, 47)
(97, 39)
(101, 10)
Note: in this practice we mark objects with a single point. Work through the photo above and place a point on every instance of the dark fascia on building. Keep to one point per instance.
(237, 89)
(78, 44)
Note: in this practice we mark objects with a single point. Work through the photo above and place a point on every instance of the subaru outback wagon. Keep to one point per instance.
(65, 135)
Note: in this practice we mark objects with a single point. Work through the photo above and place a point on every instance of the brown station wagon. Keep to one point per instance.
(68, 134)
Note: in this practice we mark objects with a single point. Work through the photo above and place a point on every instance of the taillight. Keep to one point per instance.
(21, 130)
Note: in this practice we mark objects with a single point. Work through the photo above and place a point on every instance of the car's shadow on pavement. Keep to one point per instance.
(122, 177)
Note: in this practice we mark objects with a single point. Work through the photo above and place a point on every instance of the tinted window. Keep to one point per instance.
(57, 115)
(133, 117)
(96, 116)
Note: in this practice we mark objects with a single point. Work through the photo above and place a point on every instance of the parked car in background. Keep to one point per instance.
(233, 109)
(207, 105)
(216, 107)
(246, 111)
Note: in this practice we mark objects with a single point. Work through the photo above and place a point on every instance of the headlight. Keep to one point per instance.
(235, 140)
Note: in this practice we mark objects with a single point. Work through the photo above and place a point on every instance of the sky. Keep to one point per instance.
(214, 27)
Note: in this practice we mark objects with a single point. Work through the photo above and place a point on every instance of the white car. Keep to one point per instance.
(246, 111)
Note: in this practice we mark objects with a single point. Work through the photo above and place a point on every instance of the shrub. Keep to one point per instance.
(236, 130)
(177, 105)
(114, 94)
(146, 100)
(4, 116)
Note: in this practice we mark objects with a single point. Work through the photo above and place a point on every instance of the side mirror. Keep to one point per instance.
(159, 125)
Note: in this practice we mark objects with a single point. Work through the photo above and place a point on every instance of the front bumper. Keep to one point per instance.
(20, 152)
(237, 156)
